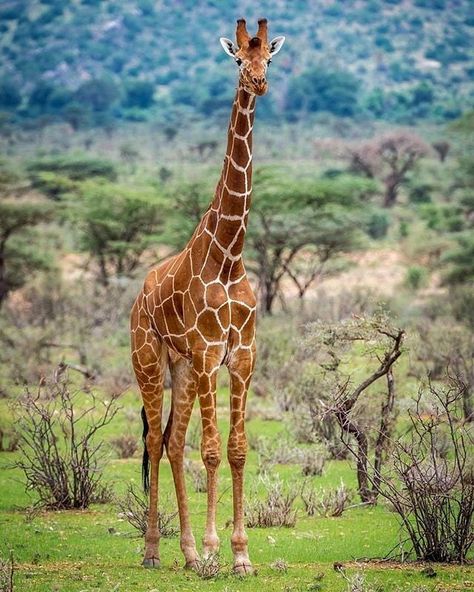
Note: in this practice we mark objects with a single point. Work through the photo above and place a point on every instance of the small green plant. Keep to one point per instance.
(415, 277)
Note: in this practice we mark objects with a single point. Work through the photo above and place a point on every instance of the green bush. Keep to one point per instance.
(378, 224)
(75, 167)
(416, 277)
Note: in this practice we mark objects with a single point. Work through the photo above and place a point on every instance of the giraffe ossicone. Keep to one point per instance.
(195, 313)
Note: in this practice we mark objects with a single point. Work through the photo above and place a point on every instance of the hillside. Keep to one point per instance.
(90, 61)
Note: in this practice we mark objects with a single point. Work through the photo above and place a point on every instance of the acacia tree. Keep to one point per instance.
(316, 217)
(389, 158)
(116, 224)
(19, 258)
(382, 342)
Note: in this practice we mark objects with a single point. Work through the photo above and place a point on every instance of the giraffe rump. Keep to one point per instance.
(146, 457)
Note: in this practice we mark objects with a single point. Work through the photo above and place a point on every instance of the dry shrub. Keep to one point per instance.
(134, 508)
(125, 446)
(277, 509)
(280, 565)
(198, 475)
(358, 583)
(326, 503)
(312, 463)
(208, 567)
(7, 570)
(433, 493)
(61, 455)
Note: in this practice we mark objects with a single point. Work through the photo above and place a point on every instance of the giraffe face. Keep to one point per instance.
(253, 56)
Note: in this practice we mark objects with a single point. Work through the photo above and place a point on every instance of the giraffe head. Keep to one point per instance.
(253, 55)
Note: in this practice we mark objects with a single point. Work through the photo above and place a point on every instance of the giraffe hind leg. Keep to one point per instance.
(149, 356)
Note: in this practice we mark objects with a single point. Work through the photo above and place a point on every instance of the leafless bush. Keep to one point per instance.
(322, 502)
(433, 495)
(358, 583)
(446, 344)
(134, 508)
(7, 570)
(312, 463)
(280, 565)
(208, 567)
(277, 509)
(61, 456)
(198, 475)
(125, 446)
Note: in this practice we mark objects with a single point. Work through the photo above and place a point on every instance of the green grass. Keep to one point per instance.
(97, 550)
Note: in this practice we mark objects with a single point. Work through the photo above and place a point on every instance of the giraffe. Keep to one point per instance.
(196, 312)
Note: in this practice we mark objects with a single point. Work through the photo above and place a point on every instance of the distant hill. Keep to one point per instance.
(90, 61)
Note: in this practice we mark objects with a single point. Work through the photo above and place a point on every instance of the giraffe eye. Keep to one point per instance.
(238, 61)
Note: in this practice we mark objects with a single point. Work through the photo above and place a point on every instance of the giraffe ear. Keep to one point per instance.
(276, 44)
(228, 46)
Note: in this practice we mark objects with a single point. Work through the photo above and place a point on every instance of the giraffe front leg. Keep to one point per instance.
(241, 371)
(206, 367)
(183, 396)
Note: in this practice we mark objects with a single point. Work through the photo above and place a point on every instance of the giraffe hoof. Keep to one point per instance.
(191, 565)
(243, 569)
(151, 562)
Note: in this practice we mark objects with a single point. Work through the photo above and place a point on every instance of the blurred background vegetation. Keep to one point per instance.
(112, 120)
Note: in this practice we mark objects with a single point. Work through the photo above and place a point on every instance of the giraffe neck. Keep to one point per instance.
(231, 202)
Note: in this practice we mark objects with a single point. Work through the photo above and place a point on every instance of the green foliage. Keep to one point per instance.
(129, 51)
(10, 96)
(115, 224)
(98, 94)
(20, 252)
(460, 260)
(415, 277)
(139, 93)
(320, 89)
(73, 167)
(378, 224)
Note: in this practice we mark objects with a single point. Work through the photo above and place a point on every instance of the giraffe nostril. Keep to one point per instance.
(258, 80)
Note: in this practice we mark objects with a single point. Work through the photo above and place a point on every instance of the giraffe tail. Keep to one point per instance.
(146, 457)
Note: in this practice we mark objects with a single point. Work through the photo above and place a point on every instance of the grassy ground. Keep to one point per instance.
(97, 550)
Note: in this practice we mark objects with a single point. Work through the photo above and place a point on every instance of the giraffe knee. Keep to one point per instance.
(211, 456)
(237, 451)
(154, 444)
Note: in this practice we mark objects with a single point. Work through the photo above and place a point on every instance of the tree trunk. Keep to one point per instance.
(362, 473)
(269, 292)
(104, 277)
(385, 430)
(391, 191)
(467, 404)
